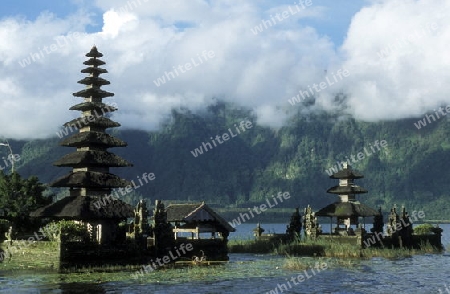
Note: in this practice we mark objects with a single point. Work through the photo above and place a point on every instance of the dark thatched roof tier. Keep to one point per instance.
(96, 81)
(92, 158)
(347, 173)
(96, 106)
(178, 212)
(94, 52)
(195, 213)
(94, 70)
(94, 120)
(93, 139)
(343, 190)
(85, 208)
(93, 92)
(347, 209)
(94, 61)
(90, 179)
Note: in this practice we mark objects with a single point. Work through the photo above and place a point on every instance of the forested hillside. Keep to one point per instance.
(250, 167)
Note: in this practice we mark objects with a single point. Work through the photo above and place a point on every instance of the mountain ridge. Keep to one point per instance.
(410, 170)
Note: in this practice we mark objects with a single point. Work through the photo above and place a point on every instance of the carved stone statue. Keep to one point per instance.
(295, 226)
(141, 227)
(310, 224)
(378, 223)
(162, 230)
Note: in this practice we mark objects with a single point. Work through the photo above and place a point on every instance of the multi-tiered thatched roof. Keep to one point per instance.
(90, 178)
(348, 206)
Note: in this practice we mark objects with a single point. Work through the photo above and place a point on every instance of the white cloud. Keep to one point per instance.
(396, 52)
(115, 23)
(143, 40)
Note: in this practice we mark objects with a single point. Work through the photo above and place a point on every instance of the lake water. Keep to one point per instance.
(249, 273)
(245, 231)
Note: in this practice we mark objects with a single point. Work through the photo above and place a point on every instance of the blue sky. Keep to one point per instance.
(333, 24)
(31, 9)
(394, 51)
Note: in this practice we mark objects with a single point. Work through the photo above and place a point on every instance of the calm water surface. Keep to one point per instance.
(247, 273)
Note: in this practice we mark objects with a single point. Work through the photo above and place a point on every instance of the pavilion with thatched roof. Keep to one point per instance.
(196, 219)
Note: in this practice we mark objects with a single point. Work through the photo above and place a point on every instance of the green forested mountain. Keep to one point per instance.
(260, 162)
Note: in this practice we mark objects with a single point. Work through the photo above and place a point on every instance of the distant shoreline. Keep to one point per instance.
(283, 215)
(436, 221)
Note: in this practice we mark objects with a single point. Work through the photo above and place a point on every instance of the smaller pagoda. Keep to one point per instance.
(347, 210)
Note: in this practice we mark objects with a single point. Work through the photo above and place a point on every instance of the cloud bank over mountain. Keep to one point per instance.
(394, 52)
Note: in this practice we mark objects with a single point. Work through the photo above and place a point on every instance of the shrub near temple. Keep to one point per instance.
(72, 231)
(424, 229)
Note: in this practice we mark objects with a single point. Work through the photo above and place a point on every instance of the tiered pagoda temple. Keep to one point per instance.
(347, 210)
(90, 178)
(102, 240)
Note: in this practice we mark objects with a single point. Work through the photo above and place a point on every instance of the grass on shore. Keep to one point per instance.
(252, 246)
(347, 255)
(325, 248)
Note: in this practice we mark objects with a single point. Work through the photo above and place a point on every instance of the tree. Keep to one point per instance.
(19, 197)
